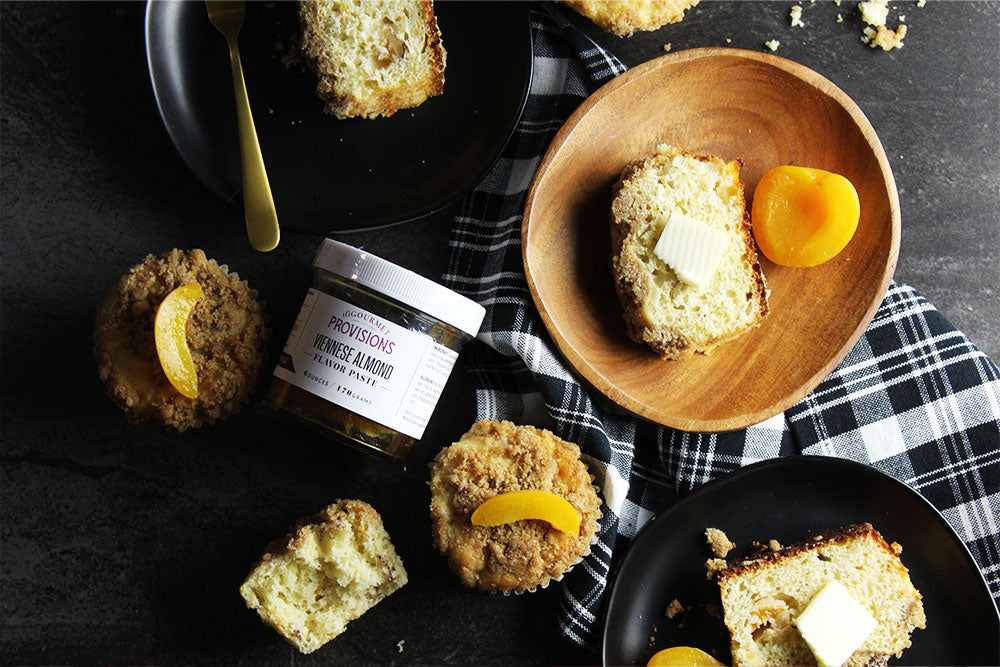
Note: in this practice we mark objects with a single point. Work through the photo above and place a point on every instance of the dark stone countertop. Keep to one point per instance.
(125, 545)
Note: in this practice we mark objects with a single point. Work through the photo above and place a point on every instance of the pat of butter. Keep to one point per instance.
(834, 625)
(692, 249)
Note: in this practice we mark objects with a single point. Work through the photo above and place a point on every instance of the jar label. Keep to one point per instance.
(365, 363)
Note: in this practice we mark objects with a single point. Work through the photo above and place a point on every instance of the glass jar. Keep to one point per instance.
(371, 350)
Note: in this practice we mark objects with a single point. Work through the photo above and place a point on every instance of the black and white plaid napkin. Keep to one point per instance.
(914, 398)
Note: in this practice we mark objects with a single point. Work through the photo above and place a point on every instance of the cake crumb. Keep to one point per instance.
(667, 46)
(713, 610)
(291, 59)
(718, 541)
(874, 12)
(675, 607)
(795, 14)
(772, 44)
(713, 566)
(884, 38)
(399, 645)
(896, 547)
(774, 545)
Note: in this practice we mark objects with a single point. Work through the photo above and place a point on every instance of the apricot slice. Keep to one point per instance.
(528, 504)
(803, 216)
(171, 340)
(680, 656)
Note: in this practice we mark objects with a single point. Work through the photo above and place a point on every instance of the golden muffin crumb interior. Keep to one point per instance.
(373, 57)
(331, 570)
(762, 596)
(673, 317)
(625, 17)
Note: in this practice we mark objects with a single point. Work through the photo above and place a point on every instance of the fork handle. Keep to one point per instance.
(261, 217)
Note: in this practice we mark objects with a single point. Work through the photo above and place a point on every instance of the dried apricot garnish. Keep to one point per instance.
(679, 656)
(803, 216)
(171, 340)
(528, 504)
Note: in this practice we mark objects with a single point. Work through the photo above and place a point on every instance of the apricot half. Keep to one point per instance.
(803, 216)
(528, 504)
(171, 339)
(679, 656)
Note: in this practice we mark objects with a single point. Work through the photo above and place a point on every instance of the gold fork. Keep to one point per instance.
(262, 220)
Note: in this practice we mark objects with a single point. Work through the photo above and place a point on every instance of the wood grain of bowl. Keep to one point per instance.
(760, 108)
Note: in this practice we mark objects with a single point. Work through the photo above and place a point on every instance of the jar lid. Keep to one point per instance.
(400, 284)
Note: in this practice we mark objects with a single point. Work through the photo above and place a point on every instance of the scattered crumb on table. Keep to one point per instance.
(874, 12)
(795, 16)
(884, 38)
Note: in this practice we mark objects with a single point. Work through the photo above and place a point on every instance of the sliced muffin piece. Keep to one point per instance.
(625, 17)
(762, 597)
(664, 309)
(372, 57)
(499, 457)
(333, 568)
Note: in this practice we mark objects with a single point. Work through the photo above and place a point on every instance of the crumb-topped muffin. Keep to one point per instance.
(225, 333)
(333, 568)
(499, 457)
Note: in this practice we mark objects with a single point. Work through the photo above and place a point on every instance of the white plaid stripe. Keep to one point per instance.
(913, 398)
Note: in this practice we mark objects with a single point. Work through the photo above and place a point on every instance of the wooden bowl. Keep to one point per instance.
(760, 108)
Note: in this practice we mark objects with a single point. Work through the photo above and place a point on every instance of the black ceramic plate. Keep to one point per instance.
(334, 175)
(789, 499)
